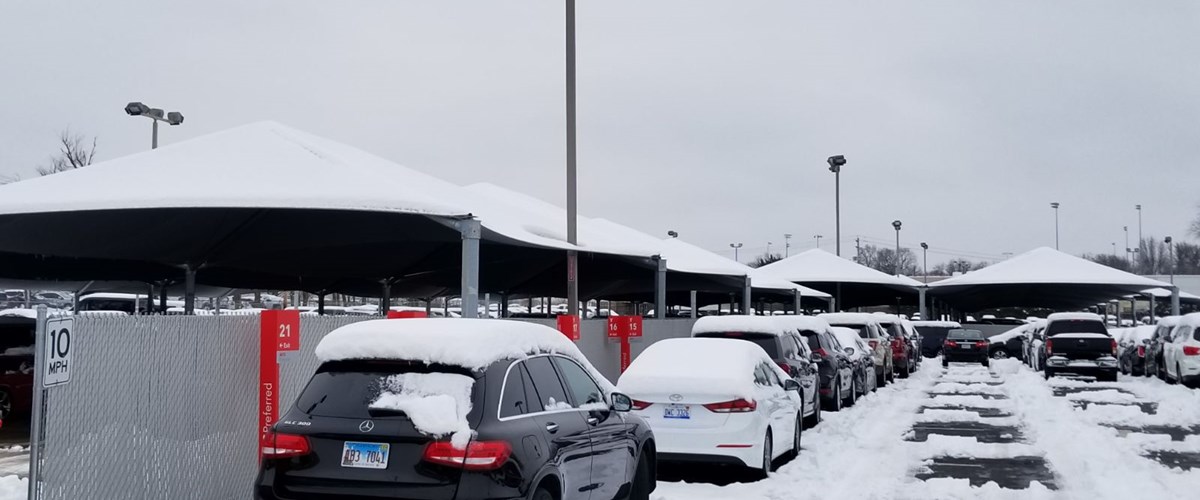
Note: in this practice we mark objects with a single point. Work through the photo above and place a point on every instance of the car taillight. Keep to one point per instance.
(951, 343)
(286, 446)
(641, 405)
(822, 353)
(784, 366)
(478, 455)
(1114, 347)
(1141, 351)
(981, 343)
(735, 406)
(873, 343)
(1049, 348)
(1191, 350)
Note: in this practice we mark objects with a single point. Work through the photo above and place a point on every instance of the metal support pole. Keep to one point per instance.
(162, 298)
(321, 303)
(189, 289)
(1152, 305)
(487, 305)
(1174, 301)
(36, 429)
(572, 202)
(154, 135)
(385, 298)
(746, 289)
(695, 310)
(660, 288)
(798, 302)
(921, 307)
(504, 305)
(837, 210)
(471, 232)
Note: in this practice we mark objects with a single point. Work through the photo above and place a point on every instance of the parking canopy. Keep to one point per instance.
(1043, 277)
(860, 285)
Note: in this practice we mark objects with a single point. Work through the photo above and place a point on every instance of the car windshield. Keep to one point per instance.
(1076, 326)
(764, 340)
(347, 388)
(863, 331)
(965, 335)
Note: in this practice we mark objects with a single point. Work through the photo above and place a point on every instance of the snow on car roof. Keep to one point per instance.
(1011, 334)
(803, 323)
(470, 343)
(845, 318)
(1169, 320)
(846, 337)
(1192, 320)
(937, 324)
(1140, 333)
(1074, 316)
(20, 313)
(745, 324)
(697, 366)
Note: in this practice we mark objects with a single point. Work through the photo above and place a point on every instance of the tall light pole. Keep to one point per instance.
(735, 247)
(156, 115)
(1171, 253)
(572, 207)
(896, 261)
(925, 255)
(1128, 249)
(835, 166)
(818, 238)
(787, 245)
(1114, 249)
(1055, 206)
(1138, 247)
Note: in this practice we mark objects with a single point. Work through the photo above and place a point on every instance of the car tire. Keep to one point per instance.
(904, 371)
(986, 362)
(945, 364)
(835, 403)
(542, 494)
(853, 396)
(642, 483)
(764, 470)
(814, 419)
(1000, 354)
(5, 405)
(796, 439)
(1049, 373)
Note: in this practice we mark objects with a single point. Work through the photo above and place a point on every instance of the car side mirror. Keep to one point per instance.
(791, 385)
(621, 402)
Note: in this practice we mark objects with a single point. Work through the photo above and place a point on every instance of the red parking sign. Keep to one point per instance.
(569, 326)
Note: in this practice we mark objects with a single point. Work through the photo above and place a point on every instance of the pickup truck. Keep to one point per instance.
(1079, 343)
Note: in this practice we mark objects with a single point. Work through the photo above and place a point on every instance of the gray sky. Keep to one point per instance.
(713, 118)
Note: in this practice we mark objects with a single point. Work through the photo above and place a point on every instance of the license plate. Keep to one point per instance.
(965, 346)
(365, 455)
(681, 412)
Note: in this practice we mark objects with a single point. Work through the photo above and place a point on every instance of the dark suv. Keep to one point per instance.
(543, 430)
(834, 366)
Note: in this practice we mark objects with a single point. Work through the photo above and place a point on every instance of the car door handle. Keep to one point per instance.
(593, 421)
(552, 427)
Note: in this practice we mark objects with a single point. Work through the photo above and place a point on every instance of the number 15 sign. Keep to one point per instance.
(58, 351)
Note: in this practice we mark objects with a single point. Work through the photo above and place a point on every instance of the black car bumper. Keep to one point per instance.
(965, 357)
(691, 458)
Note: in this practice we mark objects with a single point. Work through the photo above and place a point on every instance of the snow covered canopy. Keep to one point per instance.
(860, 285)
(1043, 277)
(267, 206)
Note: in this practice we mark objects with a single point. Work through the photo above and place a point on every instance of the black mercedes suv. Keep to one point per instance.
(542, 430)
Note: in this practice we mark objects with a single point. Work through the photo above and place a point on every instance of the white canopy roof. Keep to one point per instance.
(703, 261)
(1049, 266)
(1163, 293)
(262, 164)
(819, 266)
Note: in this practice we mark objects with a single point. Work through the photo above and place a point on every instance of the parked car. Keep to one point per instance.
(1154, 350)
(1035, 341)
(715, 400)
(17, 329)
(782, 342)
(453, 409)
(898, 341)
(914, 345)
(833, 365)
(933, 335)
(861, 359)
(1131, 349)
(1181, 356)
(1079, 343)
(1010, 344)
(869, 329)
(125, 302)
(965, 346)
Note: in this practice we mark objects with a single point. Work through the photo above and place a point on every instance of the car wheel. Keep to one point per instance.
(796, 439)
(765, 470)
(853, 396)
(1049, 373)
(814, 419)
(835, 404)
(904, 372)
(945, 364)
(1000, 354)
(1178, 373)
(642, 482)
(5, 405)
(542, 494)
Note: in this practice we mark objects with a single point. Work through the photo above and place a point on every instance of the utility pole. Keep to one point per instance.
(818, 238)
(572, 207)
(858, 250)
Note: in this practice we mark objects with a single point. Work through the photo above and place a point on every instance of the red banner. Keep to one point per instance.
(569, 326)
(268, 382)
(406, 314)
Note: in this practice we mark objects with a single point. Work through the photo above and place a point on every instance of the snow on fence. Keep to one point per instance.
(165, 406)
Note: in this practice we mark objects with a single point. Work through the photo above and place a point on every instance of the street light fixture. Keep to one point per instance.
(768, 249)
(735, 247)
(1055, 206)
(835, 165)
(155, 114)
(818, 238)
(896, 262)
(1128, 249)
(672, 234)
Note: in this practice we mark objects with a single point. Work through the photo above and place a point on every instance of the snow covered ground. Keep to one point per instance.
(999, 433)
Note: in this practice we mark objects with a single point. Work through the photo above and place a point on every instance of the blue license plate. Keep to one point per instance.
(681, 412)
(365, 455)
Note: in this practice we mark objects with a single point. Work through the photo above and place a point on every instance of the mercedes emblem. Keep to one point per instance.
(366, 426)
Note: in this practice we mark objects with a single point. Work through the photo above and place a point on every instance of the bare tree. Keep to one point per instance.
(1195, 229)
(957, 266)
(73, 153)
(765, 259)
(1109, 260)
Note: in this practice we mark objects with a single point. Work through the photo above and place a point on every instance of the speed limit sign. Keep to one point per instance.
(58, 351)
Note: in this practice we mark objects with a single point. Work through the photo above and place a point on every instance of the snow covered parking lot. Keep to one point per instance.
(973, 432)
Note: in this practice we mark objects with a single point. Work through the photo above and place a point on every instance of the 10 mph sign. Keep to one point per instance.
(58, 351)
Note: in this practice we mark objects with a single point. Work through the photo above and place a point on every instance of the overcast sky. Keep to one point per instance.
(964, 119)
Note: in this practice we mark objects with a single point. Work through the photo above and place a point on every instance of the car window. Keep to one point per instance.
(812, 339)
(583, 389)
(802, 345)
(347, 388)
(772, 377)
(833, 341)
(1075, 326)
(551, 395)
(514, 401)
(766, 341)
(1182, 334)
(790, 351)
(760, 376)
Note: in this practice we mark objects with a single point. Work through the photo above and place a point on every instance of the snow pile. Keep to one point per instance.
(13, 488)
(1011, 334)
(968, 447)
(937, 324)
(945, 415)
(470, 343)
(745, 324)
(969, 400)
(437, 403)
(957, 388)
(696, 366)
(847, 318)
(1103, 396)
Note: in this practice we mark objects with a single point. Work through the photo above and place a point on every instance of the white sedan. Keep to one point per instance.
(717, 401)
